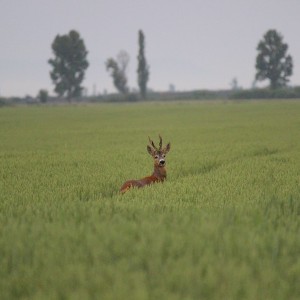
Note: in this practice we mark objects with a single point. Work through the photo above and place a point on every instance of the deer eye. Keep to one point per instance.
(163, 155)
(156, 156)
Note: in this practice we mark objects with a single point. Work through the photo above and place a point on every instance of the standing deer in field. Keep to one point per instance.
(159, 174)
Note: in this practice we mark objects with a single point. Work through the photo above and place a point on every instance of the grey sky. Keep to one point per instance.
(193, 44)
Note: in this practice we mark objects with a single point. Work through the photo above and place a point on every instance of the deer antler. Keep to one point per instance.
(160, 142)
(152, 143)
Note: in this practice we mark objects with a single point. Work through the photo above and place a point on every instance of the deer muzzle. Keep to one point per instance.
(162, 162)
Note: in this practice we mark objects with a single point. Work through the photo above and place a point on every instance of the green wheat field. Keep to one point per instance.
(225, 224)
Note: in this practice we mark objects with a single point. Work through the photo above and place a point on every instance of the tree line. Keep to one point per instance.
(70, 63)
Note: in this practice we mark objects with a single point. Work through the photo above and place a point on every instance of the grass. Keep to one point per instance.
(225, 225)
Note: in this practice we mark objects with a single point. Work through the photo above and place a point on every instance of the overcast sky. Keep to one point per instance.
(192, 44)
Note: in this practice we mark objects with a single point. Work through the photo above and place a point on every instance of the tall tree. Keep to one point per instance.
(143, 68)
(117, 69)
(272, 61)
(69, 64)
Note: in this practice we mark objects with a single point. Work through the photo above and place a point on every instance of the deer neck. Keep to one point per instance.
(160, 173)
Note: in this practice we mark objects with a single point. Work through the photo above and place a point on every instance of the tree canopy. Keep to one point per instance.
(69, 64)
(272, 61)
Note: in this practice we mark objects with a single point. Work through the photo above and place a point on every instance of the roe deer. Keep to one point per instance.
(159, 174)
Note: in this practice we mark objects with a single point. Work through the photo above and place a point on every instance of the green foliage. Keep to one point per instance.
(143, 68)
(43, 96)
(225, 225)
(117, 69)
(272, 61)
(3, 101)
(283, 93)
(69, 64)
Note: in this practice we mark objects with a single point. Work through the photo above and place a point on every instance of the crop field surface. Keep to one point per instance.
(225, 224)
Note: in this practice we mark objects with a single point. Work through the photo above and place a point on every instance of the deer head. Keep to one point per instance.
(158, 154)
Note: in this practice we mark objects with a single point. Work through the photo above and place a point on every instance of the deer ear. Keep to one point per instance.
(167, 148)
(149, 149)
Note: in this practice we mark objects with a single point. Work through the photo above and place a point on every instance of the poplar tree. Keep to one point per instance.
(143, 68)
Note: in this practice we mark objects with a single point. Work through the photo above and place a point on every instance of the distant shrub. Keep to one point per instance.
(284, 93)
(130, 97)
(3, 102)
(43, 96)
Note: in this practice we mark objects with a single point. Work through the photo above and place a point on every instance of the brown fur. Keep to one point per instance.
(159, 174)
